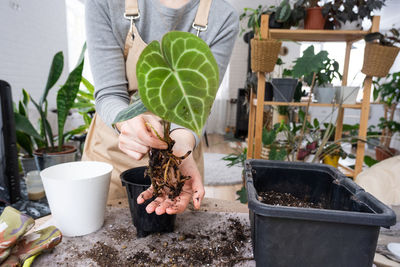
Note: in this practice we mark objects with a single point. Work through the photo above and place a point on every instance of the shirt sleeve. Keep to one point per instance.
(107, 62)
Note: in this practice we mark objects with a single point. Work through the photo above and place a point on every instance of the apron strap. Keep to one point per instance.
(201, 21)
(131, 9)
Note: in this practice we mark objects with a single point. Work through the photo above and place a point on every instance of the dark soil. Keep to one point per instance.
(217, 247)
(163, 168)
(287, 199)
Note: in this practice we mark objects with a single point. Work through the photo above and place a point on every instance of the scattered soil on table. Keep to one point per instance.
(121, 234)
(287, 199)
(103, 254)
(222, 246)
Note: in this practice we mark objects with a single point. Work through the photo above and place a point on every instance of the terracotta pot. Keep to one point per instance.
(382, 153)
(314, 19)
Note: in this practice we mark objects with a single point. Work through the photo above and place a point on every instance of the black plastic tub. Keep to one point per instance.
(135, 183)
(343, 234)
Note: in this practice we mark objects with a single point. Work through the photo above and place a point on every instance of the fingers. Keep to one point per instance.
(146, 136)
(129, 144)
(198, 195)
(145, 195)
(154, 204)
(180, 204)
(163, 206)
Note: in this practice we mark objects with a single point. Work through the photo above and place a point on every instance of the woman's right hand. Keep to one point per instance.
(136, 138)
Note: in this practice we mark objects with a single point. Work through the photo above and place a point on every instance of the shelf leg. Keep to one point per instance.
(252, 116)
(259, 114)
(362, 133)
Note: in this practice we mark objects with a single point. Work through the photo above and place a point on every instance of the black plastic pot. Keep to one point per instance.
(284, 89)
(269, 92)
(344, 234)
(135, 183)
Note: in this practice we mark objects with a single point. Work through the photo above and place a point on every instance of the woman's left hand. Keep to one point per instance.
(193, 188)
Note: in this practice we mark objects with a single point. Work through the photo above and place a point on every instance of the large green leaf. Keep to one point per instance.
(88, 85)
(133, 110)
(309, 63)
(178, 79)
(24, 141)
(55, 72)
(22, 124)
(66, 98)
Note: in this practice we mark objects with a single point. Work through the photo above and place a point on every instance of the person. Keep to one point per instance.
(117, 31)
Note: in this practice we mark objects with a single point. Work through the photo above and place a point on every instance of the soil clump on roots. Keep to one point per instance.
(163, 168)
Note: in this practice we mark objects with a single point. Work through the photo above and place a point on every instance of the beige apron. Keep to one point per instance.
(102, 142)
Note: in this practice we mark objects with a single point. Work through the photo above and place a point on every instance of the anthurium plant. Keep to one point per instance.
(178, 80)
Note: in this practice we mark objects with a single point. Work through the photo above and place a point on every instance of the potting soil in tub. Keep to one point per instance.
(342, 232)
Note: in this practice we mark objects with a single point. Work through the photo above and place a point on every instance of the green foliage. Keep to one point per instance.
(254, 19)
(178, 80)
(236, 158)
(392, 126)
(388, 89)
(283, 11)
(133, 110)
(310, 63)
(242, 195)
(369, 161)
(390, 38)
(276, 153)
(66, 97)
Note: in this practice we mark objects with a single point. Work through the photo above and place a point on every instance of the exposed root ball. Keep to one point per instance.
(163, 169)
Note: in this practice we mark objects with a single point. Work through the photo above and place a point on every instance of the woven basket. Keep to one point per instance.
(378, 59)
(264, 54)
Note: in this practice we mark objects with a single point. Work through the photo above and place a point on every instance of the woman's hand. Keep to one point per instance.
(136, 138)
(193, 188)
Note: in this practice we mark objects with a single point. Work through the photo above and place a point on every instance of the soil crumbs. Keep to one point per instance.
(287, 199)
(216, 247)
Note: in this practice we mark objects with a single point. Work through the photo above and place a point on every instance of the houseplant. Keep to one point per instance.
(380, 52)
(314, 19)
(48, 153)
(264, 52)
(196, 66)
(388, 91)
(27, 138)
(324, 91)
(348, 15)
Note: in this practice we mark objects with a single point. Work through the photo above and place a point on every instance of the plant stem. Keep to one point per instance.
(307, 108)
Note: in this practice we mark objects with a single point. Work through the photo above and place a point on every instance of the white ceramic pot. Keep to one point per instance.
(77, 194)
(346, 94)
(354, 25)
(324, 94)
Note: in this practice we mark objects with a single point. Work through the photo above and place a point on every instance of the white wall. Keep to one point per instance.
(31, 32)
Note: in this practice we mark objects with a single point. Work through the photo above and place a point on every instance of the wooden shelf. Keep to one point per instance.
(303, 104)
(346, 171)
(318, 35)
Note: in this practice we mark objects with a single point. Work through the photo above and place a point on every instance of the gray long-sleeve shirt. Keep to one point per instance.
(106, 30)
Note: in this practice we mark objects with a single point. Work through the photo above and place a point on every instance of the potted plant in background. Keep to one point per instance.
(27, 137)
(349, 15)
(324, 91)
(48, 153)
(264, 52)
(314, 19)
(380, 52)
(332, 153)
(388, 91)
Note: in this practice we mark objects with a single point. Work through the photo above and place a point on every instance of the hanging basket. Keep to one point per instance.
(378, 59)
(264, 54)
